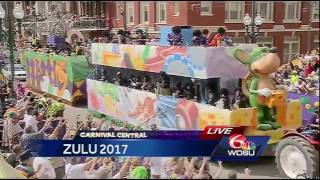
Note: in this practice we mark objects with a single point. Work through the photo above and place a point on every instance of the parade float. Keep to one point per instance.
(62, 77)
(271, 115)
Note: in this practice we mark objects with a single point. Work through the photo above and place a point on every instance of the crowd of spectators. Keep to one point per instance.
(79, 47)
(22, 124)
(301, 75)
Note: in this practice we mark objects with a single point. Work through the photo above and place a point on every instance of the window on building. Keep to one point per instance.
(291, 47)
(206, 7)
(265, 8)
(234, 11)
(144, 9)
(315, 10)
(238, 40)
(130, 12)
(118, 10)
(292, 11)
(176, 5)
(161, 11)
(264, 41)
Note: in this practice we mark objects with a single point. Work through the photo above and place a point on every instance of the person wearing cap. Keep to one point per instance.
(35, 167)
(139, 172)
(25, 167)
(12, 159)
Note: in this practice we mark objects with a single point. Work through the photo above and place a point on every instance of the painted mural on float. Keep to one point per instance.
(195, 62)
(60, 76)
(136, 106)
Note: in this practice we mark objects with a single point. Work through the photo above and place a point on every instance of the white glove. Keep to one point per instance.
(220, 104)
(264, 92)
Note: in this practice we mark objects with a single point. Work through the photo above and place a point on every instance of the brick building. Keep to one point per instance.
(286, 24)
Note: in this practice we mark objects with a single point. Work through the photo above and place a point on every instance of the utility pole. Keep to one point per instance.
(124, 14)
(11, 43)
(310, 24)
(253, 14)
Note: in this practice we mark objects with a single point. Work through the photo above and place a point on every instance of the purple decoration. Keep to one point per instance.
(307, 117)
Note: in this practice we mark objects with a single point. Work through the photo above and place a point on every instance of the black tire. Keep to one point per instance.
(309, 152)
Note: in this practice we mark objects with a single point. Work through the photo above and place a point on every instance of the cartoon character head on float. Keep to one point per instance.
(258, 85)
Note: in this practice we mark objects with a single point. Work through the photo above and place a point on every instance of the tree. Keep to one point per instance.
(55, 21)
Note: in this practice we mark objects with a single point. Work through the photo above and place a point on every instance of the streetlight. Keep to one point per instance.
(252, 23)
(18, 13)
(2, 15)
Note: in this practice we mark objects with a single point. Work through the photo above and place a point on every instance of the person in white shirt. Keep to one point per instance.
(30, 120)
(74, 170)
(44, 168)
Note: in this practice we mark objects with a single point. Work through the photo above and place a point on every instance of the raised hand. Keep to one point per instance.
(247, 171)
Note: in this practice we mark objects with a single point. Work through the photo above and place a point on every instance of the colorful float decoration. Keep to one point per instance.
(63, 77)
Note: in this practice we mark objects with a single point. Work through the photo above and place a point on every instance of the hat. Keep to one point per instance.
(12, 114)
(139, 172)
(25, 155)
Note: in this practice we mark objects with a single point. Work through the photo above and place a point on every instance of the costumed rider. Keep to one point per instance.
(175, 37)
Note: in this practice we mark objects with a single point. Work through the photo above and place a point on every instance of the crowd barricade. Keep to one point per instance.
(63, 77)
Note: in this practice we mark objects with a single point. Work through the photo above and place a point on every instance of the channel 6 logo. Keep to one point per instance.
(240, 146)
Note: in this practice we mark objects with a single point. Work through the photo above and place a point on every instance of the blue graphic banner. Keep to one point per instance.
(123, 147)
(235, 147)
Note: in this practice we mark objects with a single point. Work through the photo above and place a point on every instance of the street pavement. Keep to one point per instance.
(264, 168)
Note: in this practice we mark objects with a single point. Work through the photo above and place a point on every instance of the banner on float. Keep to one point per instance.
(221, 143)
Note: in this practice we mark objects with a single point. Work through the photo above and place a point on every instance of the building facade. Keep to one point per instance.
(286, 23)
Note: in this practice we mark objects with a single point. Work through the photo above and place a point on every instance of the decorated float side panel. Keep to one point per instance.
(135, 106)
(195, 62)
(309, 105)
(60, 76)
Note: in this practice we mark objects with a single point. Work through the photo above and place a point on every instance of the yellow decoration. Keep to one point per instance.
(293, 115)
(307, 106)
(215, 116)
(296, 62)
(316, 104)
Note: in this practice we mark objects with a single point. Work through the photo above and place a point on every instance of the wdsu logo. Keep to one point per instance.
(238, 147)
(241, 146)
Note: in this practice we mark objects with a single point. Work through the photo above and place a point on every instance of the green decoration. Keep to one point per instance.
(304, 100)
(146, 53)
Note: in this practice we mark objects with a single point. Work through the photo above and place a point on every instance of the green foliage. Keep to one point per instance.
(55, 108)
